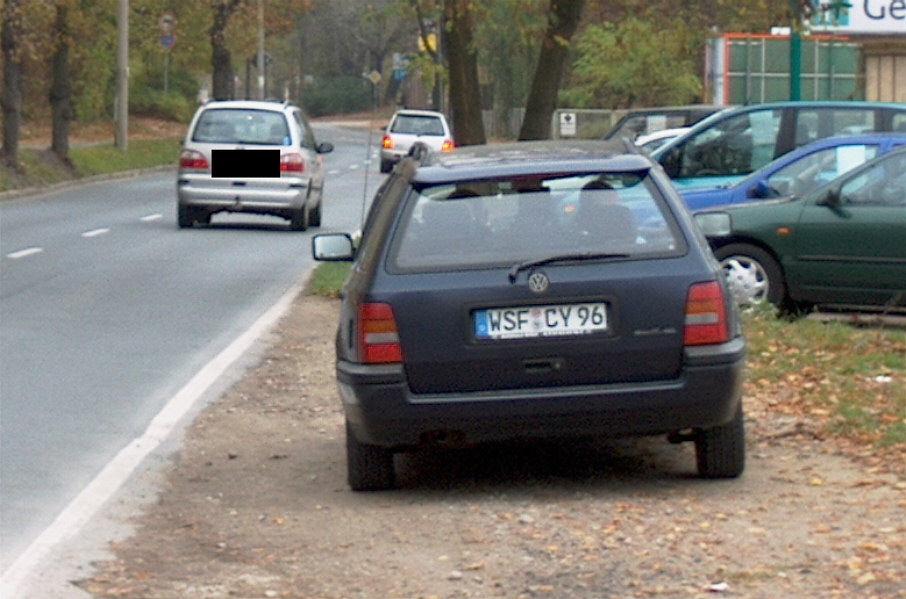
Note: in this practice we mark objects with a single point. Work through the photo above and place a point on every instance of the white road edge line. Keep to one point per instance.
(150, 217)
(80, 511)
(95, 233)
(24, 253)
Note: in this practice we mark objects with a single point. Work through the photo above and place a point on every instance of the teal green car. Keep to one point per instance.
(844, 244)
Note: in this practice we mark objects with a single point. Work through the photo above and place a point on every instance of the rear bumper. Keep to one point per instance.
(381, 410)
(243, 198)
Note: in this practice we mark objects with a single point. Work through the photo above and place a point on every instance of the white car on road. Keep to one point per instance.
(410, 126)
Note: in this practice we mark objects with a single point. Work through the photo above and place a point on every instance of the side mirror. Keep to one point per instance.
(324, 148)
(670, 160)
(831, 199)
(332, 247)
(760, 191)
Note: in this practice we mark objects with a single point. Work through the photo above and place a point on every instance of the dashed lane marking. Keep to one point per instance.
(24, 253)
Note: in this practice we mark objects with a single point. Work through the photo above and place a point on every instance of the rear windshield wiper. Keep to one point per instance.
(514, 272)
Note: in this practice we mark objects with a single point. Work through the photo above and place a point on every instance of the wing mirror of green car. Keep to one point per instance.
(831, 199)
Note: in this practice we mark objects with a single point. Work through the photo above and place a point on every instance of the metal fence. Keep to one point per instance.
(576, 123)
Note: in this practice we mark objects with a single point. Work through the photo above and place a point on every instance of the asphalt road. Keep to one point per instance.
(108, 311)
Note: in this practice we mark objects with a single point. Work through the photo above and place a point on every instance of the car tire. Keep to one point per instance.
(386, 166)
(299, 219)
(720, 452)
(752, 274)
(314, 217)
(369, 467)
(185, 216)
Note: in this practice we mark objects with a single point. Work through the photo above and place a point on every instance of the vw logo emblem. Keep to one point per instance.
(538, 282)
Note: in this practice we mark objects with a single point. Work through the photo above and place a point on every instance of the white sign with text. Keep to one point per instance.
(861, 16)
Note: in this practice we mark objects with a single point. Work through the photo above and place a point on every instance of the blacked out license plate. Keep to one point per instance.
(245, 163)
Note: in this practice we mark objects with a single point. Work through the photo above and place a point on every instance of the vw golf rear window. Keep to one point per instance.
(252, 127)
(494, 223)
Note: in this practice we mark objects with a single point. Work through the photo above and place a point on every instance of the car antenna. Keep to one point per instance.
(368, 149)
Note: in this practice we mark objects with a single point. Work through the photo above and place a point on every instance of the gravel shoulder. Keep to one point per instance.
(255, 504)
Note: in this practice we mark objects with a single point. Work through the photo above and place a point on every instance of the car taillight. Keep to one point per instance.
(706, 318)
(292, 163)
(448, 146)
(379, 342)
(192, 160)
(387, 143)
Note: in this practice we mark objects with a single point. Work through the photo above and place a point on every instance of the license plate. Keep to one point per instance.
(540, 321)
(245, 163)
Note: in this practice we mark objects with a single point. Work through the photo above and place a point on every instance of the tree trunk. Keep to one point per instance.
(563, 19)
(465, 92)
(61, 87)
(221, 61)
(11, 96)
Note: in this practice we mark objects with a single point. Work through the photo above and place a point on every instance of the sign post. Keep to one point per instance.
(167, 41)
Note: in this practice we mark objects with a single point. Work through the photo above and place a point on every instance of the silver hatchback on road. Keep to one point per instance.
(250, 156)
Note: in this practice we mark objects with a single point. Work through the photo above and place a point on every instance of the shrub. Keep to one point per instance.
(155, 103)
(338, 95)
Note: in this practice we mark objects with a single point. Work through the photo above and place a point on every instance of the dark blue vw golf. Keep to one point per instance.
(528, 291)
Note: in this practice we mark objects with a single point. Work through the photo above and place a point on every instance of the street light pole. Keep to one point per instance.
(261, 65)
(795, 53)
(121, 115)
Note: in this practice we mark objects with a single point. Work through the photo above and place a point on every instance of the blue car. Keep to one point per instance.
(798, 172)
(733, 143)
(476, 313)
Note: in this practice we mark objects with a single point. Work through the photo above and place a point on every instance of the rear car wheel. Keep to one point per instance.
(314, 217)
(386, 166)
(185, 216)
(720, 452)
(753, 275)
(369, 467)
(299, 219)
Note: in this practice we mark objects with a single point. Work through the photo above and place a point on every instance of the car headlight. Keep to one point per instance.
(713, 224)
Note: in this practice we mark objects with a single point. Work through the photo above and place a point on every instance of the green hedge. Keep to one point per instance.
(339, 95)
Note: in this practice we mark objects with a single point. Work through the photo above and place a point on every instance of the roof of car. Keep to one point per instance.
(253, 104)
(855, 104)
(530, 157)
(849, 138)
(419, 112)
(820, 103)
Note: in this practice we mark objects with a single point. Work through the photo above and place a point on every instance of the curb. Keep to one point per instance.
(14, 194)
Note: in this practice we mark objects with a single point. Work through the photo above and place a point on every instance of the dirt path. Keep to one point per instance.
(256, 505)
